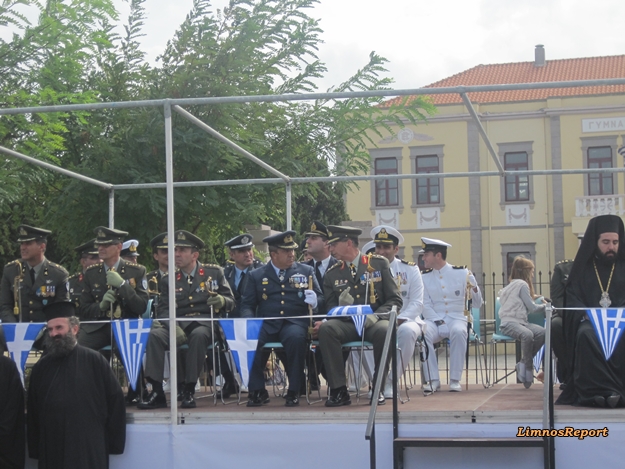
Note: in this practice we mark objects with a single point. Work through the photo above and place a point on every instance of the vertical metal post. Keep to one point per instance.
(288, 205)
(112, 208)
(173, 351)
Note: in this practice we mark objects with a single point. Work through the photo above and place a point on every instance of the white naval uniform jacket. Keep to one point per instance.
(444, 292)
(408, 278)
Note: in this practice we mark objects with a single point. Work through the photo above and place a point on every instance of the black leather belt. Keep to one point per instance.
(440, 322)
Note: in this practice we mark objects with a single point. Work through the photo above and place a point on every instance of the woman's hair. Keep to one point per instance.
(522, 269)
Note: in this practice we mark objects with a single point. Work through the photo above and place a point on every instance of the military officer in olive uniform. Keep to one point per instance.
(281, 289)
(112, 287)
(198, 288)
(160, 255)
(38, 281)
(88, 256)
(356, 279)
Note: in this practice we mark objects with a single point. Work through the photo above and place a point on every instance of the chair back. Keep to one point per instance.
(475, 312)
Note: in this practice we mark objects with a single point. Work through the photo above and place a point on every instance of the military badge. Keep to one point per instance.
(264, 296)
(144, 284)
(132, 282)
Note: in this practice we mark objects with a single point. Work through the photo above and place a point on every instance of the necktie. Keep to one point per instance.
(318, 273)
(32, 276)
(281, 274)
(352, 269)
(239, 286)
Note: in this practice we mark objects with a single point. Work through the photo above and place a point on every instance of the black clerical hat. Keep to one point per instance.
(59, 309)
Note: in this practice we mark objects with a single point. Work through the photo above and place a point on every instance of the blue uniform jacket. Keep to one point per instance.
(265, 296)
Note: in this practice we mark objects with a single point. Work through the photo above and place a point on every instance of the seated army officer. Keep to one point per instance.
(198, 288)
(280, 289)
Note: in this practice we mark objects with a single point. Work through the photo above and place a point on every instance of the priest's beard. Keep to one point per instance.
(608, 258)
(61, 345)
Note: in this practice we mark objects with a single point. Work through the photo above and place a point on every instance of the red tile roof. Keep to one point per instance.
(589, 68)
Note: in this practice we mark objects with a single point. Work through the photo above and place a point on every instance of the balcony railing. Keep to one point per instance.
(591, 206)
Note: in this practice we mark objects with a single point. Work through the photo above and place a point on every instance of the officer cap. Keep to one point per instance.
(339, 233)
(318, 229)
(87, 248)
(436, 245)
(240, 242)
(30, 233)
(384, 234)
(159, 241)
(185, 239)
(129, 248)
(59, 309)
(369, 247)
(106, 235)
(282, 240)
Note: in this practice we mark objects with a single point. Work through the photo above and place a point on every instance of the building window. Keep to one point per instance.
(517, 186)
(427, 192)
(512, 250)
(386, 190)
(600, 183)
(428, 189)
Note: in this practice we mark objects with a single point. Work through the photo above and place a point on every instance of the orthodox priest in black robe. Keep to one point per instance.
(12, 430)
(76, 413)
(597, 280)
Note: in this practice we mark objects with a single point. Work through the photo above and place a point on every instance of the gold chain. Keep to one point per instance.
(599, 280)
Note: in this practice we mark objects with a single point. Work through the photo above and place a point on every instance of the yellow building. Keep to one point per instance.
(489, 220)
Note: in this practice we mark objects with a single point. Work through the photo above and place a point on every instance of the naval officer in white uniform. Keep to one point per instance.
(445, 288)
(408, 277)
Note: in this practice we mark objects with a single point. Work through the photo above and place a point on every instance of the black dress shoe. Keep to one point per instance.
(258, 398)
(188, 402)
(153, 401)
(600, 401)
(613, 400)
(291, 399)
(381, 400)
(340, 399)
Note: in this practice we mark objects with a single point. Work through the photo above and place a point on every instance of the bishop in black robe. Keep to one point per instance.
(12, 431)
(76, 413)
(593, 379)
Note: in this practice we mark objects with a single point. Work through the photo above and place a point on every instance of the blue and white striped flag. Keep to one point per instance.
(608, 324)
(20, 337)
(242, 337)
(357, 312)
(131, 336)
(538, 358)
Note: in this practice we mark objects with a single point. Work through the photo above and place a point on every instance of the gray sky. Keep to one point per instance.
(426, 41)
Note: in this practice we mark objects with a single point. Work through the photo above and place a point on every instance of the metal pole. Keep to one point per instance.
(288, 205)
(173, 349)
(112, 208)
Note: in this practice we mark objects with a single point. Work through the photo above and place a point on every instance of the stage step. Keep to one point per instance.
(405, 442)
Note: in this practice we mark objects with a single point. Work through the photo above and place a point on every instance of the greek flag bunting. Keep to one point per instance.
(357, 312)
(20, 338)
(608, 324)
(242, 337)
(131, 336)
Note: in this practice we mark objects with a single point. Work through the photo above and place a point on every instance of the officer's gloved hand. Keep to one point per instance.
(311, 298)
(345, 299)
(216, 302)
(113, 279)
(107, 300)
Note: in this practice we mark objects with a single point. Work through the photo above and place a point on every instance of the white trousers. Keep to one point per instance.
(456, 331)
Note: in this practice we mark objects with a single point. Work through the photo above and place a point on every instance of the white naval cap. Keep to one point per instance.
(369, 247)
(431, 244)
(129, 248)
(386, 235)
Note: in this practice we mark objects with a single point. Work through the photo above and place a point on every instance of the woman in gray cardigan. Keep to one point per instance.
(517, 301)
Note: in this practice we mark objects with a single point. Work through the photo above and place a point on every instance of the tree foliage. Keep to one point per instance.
(74, 54)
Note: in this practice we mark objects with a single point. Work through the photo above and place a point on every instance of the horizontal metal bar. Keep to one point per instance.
(469, 442)
(315, 96)
(369, 177)
(52, 167)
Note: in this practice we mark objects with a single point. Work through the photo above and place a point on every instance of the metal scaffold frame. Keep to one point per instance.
(176, 105)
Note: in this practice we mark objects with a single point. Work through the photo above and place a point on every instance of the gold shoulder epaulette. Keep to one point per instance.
(426, 271)
(338, 264)
(564, 261)
(94, 266)
(16, 261)
(458, 266)
(76, 275)
(408, 262)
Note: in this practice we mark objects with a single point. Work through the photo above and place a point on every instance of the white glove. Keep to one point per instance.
(345, 299)
(311, 298)
(472, 280)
